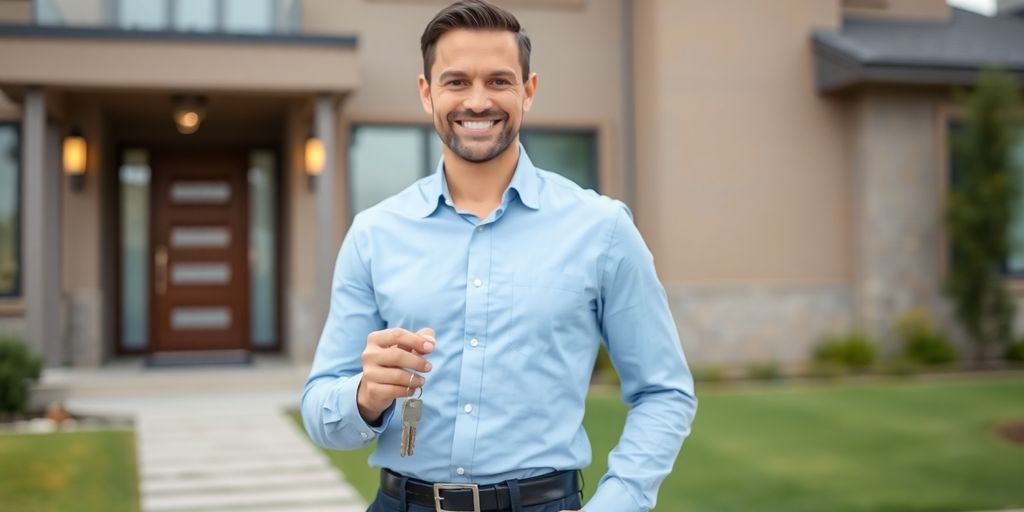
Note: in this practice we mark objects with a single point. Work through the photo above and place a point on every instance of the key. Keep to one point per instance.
(412, 410)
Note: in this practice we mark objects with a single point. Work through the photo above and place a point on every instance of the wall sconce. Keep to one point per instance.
(189, 112)
(314, 160)
(74, 156)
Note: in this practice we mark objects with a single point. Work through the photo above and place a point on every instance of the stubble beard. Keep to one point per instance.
(467, 153)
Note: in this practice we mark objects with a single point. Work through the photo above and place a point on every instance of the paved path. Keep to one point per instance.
(225, 452)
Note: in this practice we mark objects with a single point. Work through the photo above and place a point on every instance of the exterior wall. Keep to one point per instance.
(743, 175)
(82, 234)
(15, 11)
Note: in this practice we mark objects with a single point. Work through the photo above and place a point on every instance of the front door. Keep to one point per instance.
(200, 274)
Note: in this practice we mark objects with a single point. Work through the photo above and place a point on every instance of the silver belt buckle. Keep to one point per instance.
(455, 487)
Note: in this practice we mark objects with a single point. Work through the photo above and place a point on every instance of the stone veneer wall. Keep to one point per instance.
(740, 323)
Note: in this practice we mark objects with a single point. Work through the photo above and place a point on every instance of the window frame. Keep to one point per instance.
(18, 213)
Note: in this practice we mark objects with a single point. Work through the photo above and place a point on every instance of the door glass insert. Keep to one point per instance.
(200, 237)
(184, 318)
(200, 273)
(200, 192)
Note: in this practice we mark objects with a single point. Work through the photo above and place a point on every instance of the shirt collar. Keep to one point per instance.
(525, 181)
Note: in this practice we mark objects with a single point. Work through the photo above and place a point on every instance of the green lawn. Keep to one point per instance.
(82, 471)
(910, 445)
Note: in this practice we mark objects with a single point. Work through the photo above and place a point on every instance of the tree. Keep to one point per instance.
(979, 210)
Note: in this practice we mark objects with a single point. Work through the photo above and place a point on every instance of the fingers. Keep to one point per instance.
(396, 358)
(404, 339)
(386, 393)
(393, 376)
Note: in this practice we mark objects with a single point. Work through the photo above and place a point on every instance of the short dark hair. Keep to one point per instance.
(473, 15)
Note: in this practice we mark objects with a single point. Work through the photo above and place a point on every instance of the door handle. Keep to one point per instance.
(160, 269)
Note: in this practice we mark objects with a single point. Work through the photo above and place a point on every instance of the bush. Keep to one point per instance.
(922, 343)
(854, 350)
(764, 370)
(17, 368)
(1015, 352)
(709, 373)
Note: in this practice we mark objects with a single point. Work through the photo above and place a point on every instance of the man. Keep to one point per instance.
(486, 288)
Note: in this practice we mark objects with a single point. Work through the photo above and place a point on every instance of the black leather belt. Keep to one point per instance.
(471, 497)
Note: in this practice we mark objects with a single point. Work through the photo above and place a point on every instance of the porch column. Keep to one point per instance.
(41, 232)
(325, 115)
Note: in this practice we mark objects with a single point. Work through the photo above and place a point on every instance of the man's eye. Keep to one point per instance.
(502, 81)
(457, 83)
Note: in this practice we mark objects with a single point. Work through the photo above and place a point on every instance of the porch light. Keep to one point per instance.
(314, 160)
(74, 156)
(189, 112)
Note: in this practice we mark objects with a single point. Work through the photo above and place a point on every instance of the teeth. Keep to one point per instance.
(478, 125)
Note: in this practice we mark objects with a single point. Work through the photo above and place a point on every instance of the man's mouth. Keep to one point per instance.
(477, 125)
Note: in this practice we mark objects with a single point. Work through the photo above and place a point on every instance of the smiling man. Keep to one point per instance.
(486, 289)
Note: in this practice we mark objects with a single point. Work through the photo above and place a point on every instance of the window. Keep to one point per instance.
(10, 218)
(386, 158)
(1014, 265)
(234, 16)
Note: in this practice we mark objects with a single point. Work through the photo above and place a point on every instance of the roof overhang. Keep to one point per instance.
(918, 53)
(130, 59)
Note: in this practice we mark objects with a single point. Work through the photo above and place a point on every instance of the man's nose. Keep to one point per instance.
(479, 100)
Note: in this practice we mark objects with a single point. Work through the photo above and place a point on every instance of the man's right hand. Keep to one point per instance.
(388, 353)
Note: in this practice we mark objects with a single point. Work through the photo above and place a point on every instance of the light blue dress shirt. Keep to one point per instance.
(519, 302)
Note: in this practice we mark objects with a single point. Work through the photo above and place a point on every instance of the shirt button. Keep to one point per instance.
(364, 435)
(478, 283)
(460, 471)
(468, 408)
(480, 228)
(474, 342)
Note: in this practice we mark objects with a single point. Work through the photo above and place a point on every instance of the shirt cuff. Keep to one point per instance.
(612, 496)
(347, 404)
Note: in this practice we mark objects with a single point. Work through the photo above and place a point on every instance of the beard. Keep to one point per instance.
(472, 153)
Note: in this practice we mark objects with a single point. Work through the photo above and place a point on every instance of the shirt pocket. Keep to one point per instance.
(546, 302)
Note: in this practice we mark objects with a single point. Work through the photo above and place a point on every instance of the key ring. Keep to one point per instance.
(409, 387)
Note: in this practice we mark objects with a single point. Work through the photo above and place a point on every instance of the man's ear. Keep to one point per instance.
(428, 104)
(531, 89)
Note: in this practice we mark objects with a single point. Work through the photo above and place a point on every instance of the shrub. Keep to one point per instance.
(1015, 352)
(17, 368)
(709, 373)
(922, 343)
(764, 370)
(854, 350)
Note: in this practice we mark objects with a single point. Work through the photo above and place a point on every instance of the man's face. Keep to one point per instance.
(477, 94)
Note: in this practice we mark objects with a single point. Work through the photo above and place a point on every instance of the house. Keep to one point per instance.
(176, 176)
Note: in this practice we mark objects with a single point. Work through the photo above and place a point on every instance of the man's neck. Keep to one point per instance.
(479, 187)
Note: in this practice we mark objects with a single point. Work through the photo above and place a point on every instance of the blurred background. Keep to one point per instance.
(176, 177)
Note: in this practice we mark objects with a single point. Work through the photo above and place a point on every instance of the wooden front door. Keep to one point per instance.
(199, 243)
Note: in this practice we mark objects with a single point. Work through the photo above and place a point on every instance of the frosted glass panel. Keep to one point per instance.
(200, 192)
(570, 153)
(200, 238)
(142, 14)
(195, 15)
(134, 183)
(200, 318)
(251, 16)
(200, 273)
(383, 160)
(262, 248)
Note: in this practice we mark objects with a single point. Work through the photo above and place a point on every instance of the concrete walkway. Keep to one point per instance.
(218, 450)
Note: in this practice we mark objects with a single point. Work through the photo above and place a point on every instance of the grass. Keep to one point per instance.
(907, 445)
(81, 471)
